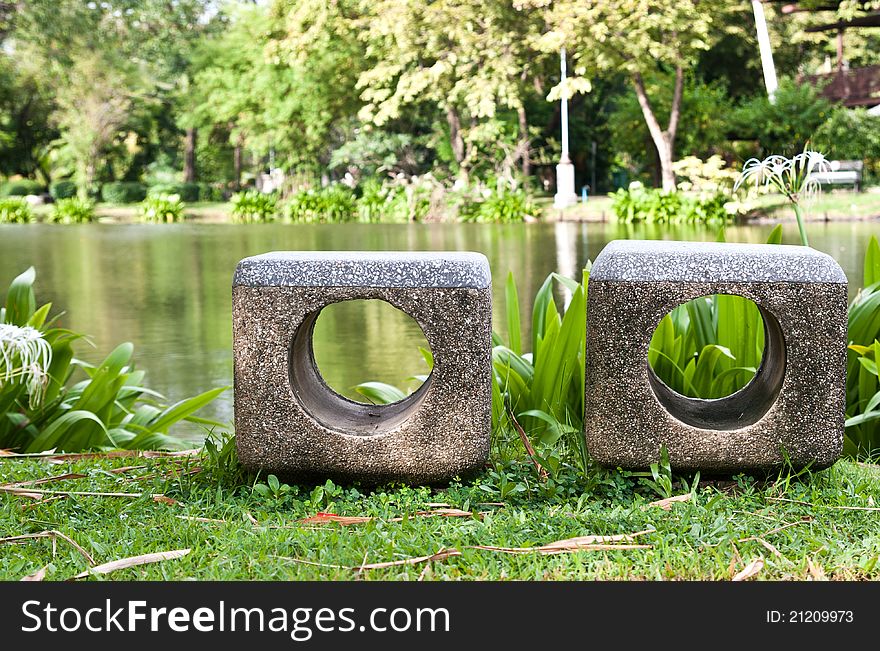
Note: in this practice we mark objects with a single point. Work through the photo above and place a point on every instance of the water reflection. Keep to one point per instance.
(167, 287)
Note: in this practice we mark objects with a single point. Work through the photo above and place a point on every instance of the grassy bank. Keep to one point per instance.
(820, 525)
(840, 205)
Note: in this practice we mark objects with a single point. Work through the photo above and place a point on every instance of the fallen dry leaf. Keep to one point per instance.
(38, 494)
(439, 556)
(54, 535)
(39, 575)
(133, 561)
(51, 455)
(344, 520)
(666, 503)
(816, 571)
(44, 480)
(164, 499)
(549, 549)
(749, 570)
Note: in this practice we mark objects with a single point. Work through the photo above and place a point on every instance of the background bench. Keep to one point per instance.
(843, 172)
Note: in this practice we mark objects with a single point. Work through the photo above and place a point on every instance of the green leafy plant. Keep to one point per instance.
(43, 408)
(544, 388)
(162, 208)
(253, 206)
(20, 188)
(640, 204)
(335, 203)
(497, 206)
(661, 475)
(72, 211)
(862, 382)
(188, 192)
(14, 210)
(124, 192)
(273, 489)
(63, 189)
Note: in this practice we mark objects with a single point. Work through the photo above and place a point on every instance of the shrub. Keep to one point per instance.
(335, 203)
(786, 124)
(209, 192)
(14, 210)
(188, 192)
(20, 188)
(499, 206)
(163, 208)
(388, 202)
(124, 192)
(253, 206)
(108, 407)
(638, 203)
(63, 189)
(72, 211)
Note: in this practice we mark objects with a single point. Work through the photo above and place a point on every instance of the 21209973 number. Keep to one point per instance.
(810, 617)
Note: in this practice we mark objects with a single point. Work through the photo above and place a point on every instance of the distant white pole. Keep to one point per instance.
(565, 194)
(565, 158)
(766, 51)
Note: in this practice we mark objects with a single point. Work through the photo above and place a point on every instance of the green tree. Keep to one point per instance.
(637, 37)
(703, 125)
(470, 60)
(785, 125)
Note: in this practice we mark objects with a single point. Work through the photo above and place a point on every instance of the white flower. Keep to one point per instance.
(24, 354)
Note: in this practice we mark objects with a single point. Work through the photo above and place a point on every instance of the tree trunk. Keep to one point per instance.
(189, 156)
(456, 141)
(664, 139)
(236, 163)
(524, 139)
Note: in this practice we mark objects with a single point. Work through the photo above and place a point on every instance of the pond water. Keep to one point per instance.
(166, 288)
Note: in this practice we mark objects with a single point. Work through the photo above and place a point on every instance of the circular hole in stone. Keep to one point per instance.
(369, 340)
(345, 344)
(717, 362)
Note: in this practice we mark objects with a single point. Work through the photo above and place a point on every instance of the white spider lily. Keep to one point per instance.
(792, 177)
(26, 355)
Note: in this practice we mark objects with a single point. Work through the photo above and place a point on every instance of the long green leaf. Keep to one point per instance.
(380, 393)
(514, 336)
(20, 300)
(182, 409)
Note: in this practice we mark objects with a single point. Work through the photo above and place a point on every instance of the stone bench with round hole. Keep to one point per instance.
(289, 422)
(793, 406)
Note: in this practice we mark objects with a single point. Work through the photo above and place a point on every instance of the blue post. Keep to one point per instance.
(584, 193)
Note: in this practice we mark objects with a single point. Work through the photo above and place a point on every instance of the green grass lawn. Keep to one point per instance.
(823, 525)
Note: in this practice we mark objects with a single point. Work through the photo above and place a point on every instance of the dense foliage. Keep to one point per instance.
(72, 211)
(253, 206)
(198, 92)
(15, 210)
(638, 203)
(162, 208)
(123, 192)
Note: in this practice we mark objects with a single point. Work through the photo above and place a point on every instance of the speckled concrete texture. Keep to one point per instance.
(796, 401)
(290, 423)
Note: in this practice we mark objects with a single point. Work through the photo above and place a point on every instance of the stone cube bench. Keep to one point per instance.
(289, 422)
(795, 402)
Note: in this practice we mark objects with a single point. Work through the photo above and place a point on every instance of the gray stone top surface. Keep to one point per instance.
(364, 269)
(657, 260)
